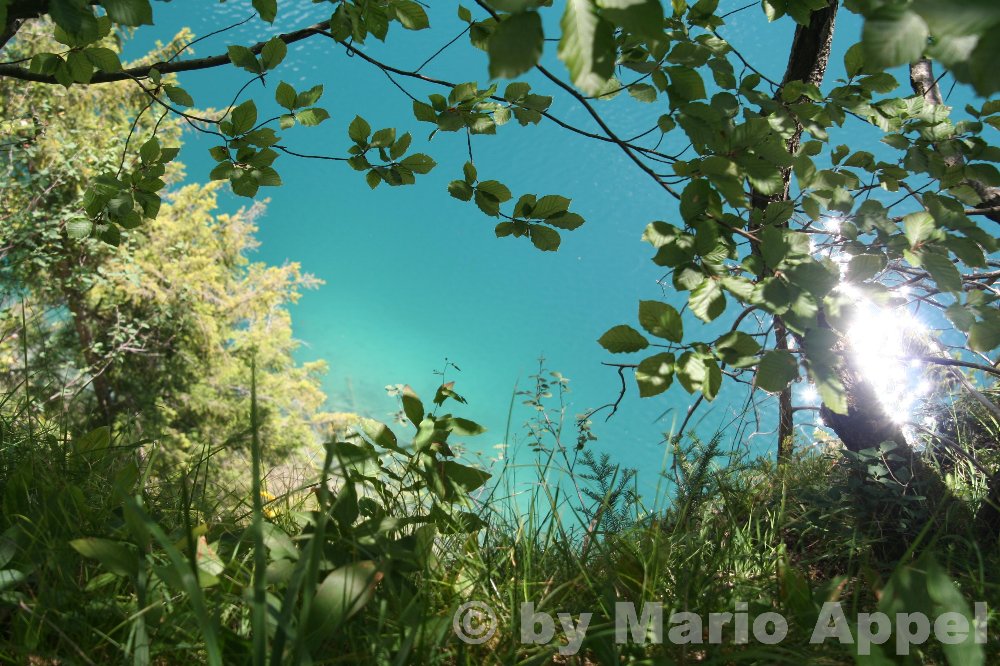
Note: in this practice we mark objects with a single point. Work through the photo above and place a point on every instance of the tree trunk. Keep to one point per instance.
(81, 324)
(924, 84)
(807, 62)
(102, 389)
(866, 424)
(786, 422)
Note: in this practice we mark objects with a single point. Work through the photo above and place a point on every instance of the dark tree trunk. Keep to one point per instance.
(807, 62)
(786, 422)
(866, 424)
(100, 384)
(82, 321)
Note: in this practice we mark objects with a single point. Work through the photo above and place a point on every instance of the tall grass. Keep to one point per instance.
(108, 558)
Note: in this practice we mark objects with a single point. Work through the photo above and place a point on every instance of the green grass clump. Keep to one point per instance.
(109, 557)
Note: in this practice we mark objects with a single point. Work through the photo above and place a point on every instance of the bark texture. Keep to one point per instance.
(807, 62)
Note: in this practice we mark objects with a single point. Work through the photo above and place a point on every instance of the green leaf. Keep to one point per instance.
(661, 320)
(984, 336)
(80, 67)
(411, 15)
(178, 95)
(713, 379)
(400, 146)
(412, 407)
(8, 546)
(75, 17)
(926, 587)
(309, 97)
(244, 58)
(312, 117)
(419, 163)
(776, 370)
(383, 138)
(460, 190)
(960, 316)
(549, 206)
(854, 60)
(815, 277)
(863, 267)
(378, 433)
(763, 176)
(893, 35)
(695, 199)
(358, 130)
(639, 17)
(468, 478)
(487, 203)
(740, 287)
(944, 272)
(103, 59)
(115, 556)
(567, 221)
(285, 95)
(686, 85)
(544, 238)
(698, 373)
(470, 173)
(129, 12)
(243, 184)
(464, 427)
(918, 227)
(655, 374)
(11, 577)
(243, 117)
(643, 92)
(149, 151)
(707, 301)
(342, 594)
(44, 63)
(587, 46)
(222, 171)
(79, 227)
(266, 176)
(623, 339)
(268, 9)
(773, 246)
(774, 9)
(516, 45)
(738, 349)
(495, 189)
(273, 53)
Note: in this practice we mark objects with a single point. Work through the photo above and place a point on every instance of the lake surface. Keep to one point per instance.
(414, 277)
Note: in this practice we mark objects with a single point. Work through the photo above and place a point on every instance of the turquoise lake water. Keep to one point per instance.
(414, 277)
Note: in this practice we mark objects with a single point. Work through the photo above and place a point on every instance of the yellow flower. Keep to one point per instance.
(269, 511)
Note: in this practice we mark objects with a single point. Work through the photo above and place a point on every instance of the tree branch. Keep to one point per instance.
(15, 72)
(956, 363)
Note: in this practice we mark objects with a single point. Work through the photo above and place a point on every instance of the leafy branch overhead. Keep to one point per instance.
(775, 234)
